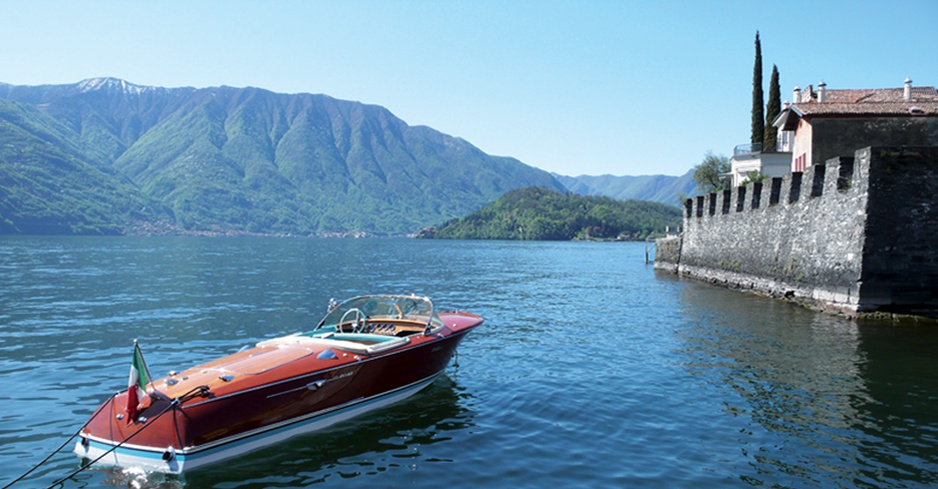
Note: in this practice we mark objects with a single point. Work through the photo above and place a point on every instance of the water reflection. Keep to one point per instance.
(900, 420)
(400, 437)
(816, 393)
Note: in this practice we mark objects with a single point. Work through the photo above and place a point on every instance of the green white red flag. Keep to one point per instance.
(137, 383)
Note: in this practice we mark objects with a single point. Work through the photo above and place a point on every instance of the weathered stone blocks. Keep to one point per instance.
(856, 234)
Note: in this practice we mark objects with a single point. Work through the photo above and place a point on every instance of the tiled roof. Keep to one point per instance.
(875, 101)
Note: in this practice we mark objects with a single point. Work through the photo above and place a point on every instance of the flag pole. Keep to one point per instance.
(150, 386)
(147, 386)
(138, 382)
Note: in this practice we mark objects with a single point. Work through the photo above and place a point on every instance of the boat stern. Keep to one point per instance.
(106, 453)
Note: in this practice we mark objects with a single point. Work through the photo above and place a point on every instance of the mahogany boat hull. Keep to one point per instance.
(253, 399)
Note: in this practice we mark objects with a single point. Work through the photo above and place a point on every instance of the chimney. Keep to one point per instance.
(821, 91)
(907, 92)
(796, 95)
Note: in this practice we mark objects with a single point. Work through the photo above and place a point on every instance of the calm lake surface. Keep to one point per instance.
(591, 369)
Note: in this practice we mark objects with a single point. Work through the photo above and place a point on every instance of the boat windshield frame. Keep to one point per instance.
(388, 307)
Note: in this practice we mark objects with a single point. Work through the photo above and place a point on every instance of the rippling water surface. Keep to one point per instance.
(591, 370)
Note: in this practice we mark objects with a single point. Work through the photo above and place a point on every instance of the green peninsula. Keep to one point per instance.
(538, 213)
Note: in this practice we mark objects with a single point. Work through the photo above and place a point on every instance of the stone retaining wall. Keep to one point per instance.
(856, 234)
(667, 253)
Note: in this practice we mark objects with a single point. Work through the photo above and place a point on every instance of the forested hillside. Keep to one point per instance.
(48, 185)
(537, 213)
(117, 157)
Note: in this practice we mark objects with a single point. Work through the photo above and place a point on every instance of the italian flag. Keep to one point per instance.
(137, 383)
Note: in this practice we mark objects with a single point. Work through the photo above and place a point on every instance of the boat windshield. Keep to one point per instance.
(388, 307)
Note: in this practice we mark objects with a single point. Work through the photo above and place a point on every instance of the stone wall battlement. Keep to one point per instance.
(836, 175)
(856, 234)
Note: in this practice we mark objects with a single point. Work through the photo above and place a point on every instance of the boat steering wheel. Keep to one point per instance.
(359, 320)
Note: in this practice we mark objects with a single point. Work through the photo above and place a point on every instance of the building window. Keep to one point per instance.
(800, 163)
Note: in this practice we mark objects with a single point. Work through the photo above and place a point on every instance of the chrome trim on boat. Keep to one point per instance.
(169, 454)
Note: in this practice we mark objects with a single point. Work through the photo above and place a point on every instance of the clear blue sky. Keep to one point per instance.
(575, 87)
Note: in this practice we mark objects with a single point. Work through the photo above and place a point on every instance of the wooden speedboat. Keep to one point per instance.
(366, 353)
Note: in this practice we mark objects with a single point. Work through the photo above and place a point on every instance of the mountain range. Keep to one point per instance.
(665, 189)
(105, 156)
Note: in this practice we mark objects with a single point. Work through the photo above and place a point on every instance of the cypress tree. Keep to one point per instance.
(758, 117)
(772, 109)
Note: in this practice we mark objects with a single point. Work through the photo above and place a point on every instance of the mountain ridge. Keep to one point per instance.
(45, 180)
(666, 189)
(251, 160)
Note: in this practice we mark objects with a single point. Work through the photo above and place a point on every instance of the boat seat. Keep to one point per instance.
(344, 341)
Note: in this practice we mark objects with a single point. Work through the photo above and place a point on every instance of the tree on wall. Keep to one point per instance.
(772, 109)
(754, 176)
(709, 174)
(758, 118)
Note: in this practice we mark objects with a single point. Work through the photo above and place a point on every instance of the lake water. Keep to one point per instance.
(591, 369)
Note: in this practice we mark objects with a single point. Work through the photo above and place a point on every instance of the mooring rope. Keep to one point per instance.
(172, 405)
(63, 445)
(201, 390)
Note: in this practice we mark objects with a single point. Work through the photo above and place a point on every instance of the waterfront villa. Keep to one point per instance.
(828, 123)
(769, 162)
